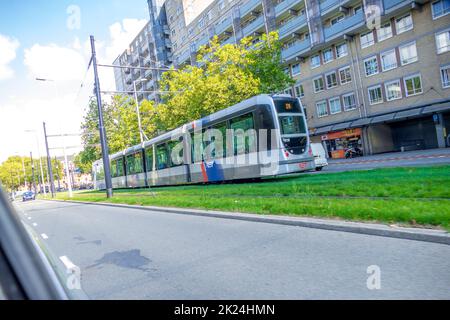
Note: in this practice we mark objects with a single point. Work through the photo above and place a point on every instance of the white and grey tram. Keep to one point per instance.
(264, 136)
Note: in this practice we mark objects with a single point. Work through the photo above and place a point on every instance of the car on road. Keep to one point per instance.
(320, 156)
(28, 196)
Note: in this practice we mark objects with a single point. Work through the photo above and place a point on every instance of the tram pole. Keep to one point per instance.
(49, 164)
(103, 139)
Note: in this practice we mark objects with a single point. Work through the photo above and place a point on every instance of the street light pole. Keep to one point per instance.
(103, 141)
(40, 159)
(32, 172)
(66, 165)
(137, 109)
(49, 164)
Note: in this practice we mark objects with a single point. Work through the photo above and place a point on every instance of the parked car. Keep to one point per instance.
(320, 156)
(29, 195)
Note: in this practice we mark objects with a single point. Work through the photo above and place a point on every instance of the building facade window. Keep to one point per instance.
(445, 76)
(443, 41)
(371, 66)
(440, 8)
(318, 84)
(367, 39)
(388, 60)
(315, 61)
(299, 91)
(375, 95)
(322, 109)
(349, 101)
(384, 32)
(341, 50)
(408, 53)
(295, 69)
(413, 85)
(345, 75)
(331, 80)
(337, 19)
(327, 55)
(393, 90)
(404, 24)
(335, 105)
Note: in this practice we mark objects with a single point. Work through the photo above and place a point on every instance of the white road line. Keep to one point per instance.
(35, 224)
(44, 236)
(29, 218)
(69, 264)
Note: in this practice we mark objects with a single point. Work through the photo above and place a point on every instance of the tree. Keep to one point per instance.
(225, 75)
(12, 175)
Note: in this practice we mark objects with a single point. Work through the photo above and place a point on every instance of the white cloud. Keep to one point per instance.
(55, 102)
(55, 62)
(7, 55)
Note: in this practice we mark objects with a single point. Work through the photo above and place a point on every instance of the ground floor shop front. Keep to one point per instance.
(391, 135)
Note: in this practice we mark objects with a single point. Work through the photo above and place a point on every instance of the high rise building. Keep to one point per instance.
(378, 82)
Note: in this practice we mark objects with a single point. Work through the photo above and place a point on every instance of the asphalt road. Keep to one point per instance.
(389, 160)
(134, 254)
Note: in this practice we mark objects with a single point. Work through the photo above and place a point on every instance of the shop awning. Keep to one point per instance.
(360, 122)
(407, 113)
(436, 107)
(383, 118)
(341, 126)
(323, 130)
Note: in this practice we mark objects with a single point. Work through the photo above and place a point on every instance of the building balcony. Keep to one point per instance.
(183, 57)
(292, 25)
(230, 40)
(253, 26)
(393, 4)
(201, 42)
(344, 26)
(285, 5)
(297, 49)
(249, 6)
(224, 26)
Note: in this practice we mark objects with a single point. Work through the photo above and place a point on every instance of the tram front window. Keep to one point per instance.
(292, 124)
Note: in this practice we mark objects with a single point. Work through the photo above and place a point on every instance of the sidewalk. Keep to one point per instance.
(436, 154)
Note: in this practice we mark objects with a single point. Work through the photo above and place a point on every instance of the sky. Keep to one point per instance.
(50, 39)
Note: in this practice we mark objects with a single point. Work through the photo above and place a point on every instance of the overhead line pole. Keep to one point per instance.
(103, 141)
(49, 164)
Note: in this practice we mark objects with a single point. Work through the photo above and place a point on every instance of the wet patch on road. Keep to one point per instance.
(131, 259)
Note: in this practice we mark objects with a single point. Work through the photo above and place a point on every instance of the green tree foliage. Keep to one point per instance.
(12, 175)
(225, 75)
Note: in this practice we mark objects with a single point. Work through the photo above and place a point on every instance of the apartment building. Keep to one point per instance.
(378, 84)
(150, 49)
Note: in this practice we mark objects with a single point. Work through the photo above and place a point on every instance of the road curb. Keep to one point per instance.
(425, 235)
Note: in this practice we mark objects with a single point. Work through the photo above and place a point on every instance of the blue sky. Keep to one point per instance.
(37, 40)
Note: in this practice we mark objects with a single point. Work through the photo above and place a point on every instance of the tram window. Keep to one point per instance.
(138, 163)
(130, 164)
(149, 159)
(292, 125)
(197, 147)
(100, 172)
(176, 157)
(244, 136)
(114, 169)
(219, 151)
(120, 172)
(162, 160)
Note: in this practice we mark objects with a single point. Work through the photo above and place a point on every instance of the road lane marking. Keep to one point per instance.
(44, 236)
(67, 263)
(35, 224)
(29, 218)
